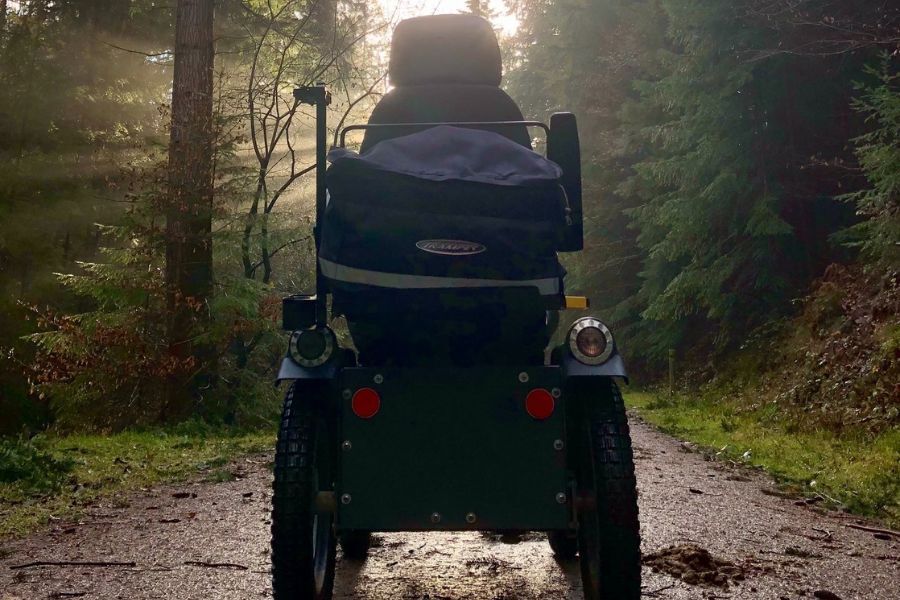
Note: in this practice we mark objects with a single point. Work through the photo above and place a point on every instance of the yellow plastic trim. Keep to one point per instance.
(577, 302)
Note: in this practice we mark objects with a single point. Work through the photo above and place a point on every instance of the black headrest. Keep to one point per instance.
(445, 49)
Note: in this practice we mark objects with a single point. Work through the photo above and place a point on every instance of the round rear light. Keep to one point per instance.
(590, 341)
(311, 344)
(312, 347)
(540, 404)
(365, 403)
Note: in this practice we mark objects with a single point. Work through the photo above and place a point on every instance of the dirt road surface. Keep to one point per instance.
(208, 541)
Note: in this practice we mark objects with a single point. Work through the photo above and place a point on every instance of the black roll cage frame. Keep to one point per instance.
(469, 124)
(319, 96)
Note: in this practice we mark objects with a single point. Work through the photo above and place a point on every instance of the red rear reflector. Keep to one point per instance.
(365, 403)
(540, 404)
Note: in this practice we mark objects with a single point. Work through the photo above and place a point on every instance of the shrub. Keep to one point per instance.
(34, 470)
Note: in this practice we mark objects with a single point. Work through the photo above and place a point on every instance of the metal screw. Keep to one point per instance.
(435, 517)
(347, 394)
(471, 518)
(523, 377)
(557, 444)
(346, 499)
(347, 446)
(556, 392)
(379, 378)
(561, 498)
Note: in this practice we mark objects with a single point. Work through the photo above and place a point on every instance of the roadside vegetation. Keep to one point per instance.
(858, 471)
(812, 399)
(55, 477)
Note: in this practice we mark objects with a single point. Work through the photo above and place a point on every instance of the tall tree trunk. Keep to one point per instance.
(189, 211)
(2, 15)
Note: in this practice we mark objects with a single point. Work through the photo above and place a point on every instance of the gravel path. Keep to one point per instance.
(210, 541)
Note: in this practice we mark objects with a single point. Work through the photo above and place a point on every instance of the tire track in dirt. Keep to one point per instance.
(215, 545)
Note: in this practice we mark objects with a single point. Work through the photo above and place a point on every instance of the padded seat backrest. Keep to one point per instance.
(445, 68)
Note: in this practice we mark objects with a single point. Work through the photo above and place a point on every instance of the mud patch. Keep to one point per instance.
(694, 565)
(491, 564)
(514, 537)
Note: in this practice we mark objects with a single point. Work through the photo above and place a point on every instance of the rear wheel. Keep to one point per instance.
(607, 512)
(355, 544)
(303, 539)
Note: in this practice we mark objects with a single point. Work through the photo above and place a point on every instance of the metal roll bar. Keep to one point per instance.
(469, 124)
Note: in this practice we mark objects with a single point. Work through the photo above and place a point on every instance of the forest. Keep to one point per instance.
(742, 207)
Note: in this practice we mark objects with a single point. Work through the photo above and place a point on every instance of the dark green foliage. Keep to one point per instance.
(716, 145)
(107, 368)
(741, 152)
(83, 123)
(72, 109)
(583, 57)
(708, 214)
(34, 470)
(879, 156)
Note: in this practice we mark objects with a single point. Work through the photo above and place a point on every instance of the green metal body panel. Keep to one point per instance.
(452, 442)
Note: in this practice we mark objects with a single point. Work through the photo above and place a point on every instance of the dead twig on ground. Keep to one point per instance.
(889, 532)
(72, 563)
(213, 565)
(658, 590)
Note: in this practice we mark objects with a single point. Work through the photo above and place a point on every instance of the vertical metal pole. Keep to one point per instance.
(671, 371)
(321, 141)
(319, 96)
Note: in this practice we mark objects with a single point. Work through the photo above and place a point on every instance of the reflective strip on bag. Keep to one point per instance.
(548, 286)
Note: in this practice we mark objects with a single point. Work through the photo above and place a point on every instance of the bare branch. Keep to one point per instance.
(294, 177)
(280, 248)
(370, 91)
(164, 53)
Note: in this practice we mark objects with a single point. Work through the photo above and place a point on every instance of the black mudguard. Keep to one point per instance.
(571, 367)
(291, 371)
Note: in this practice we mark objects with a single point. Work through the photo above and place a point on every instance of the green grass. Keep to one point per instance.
(859, 470)
(58, 476)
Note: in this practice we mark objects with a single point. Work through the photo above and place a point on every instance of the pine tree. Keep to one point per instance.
(583, 57)
(480, 8)
(878, 151)
(708, 214)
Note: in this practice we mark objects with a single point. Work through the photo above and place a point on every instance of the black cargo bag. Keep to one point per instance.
(444, 208)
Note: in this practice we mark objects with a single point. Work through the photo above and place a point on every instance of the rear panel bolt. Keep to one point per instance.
(347, 394)
(557, 444)
(379, 378)
(435, 517)
(523, 377)
(346, 499)
(347, 446)
(471, 518)
(556, 392)
(561, 498)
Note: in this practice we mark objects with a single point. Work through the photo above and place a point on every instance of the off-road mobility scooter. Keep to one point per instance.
(438, 242)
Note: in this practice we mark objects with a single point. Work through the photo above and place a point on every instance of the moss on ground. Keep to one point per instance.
(56, 477)
(857, 470)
